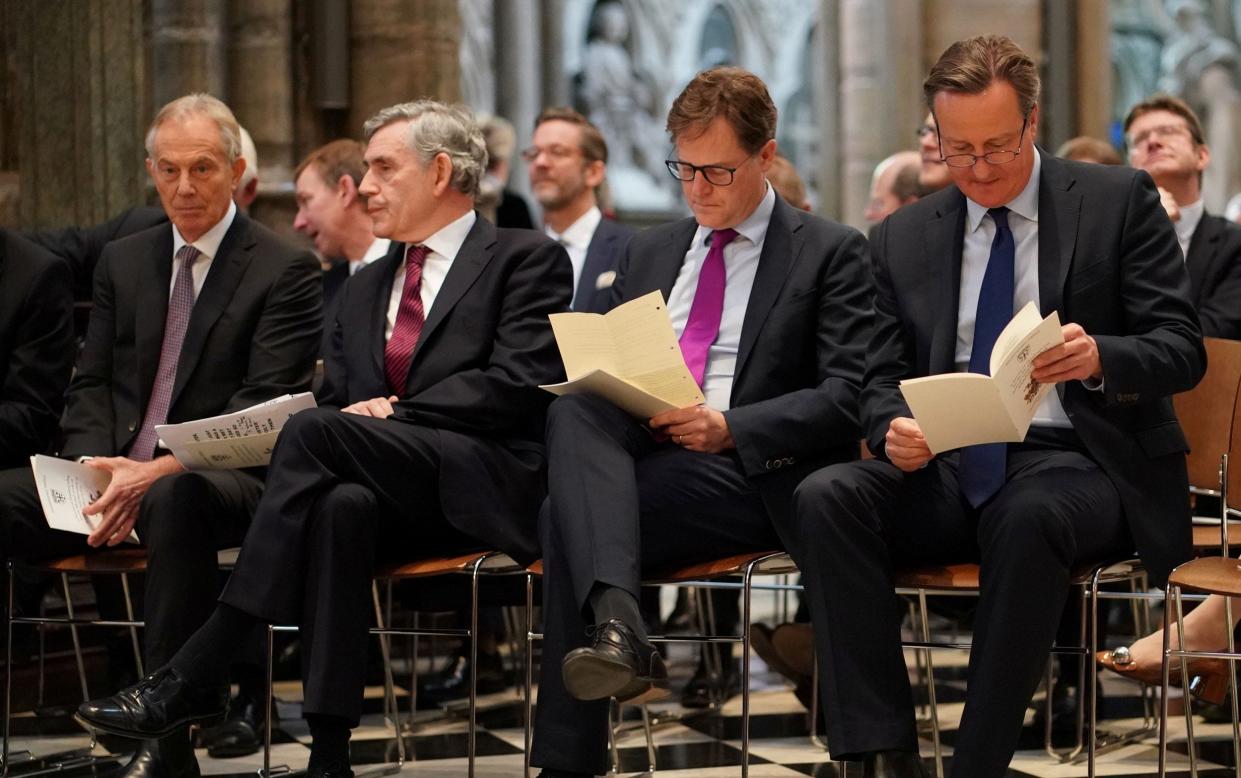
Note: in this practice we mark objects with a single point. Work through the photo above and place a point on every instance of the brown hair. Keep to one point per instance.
(342, 157)
(735, 94)
(972, 65)
(1165, 102)
(1084, 148)
(787, 183)
(594, 147)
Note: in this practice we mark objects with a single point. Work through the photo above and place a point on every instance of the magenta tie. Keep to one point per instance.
(704, 315)
(409, 319)
(180, 305)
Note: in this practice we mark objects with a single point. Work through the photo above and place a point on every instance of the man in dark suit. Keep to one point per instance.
(210, 314)
(1102, 468)
(567, 163)
(771, 304)
(36, 347)
(1166, 140)
(437, 352)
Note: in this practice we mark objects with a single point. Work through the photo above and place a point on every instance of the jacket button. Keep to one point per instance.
(133, 426)
(767, 464)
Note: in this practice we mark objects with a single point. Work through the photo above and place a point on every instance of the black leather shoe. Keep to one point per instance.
(453, 682)
(158, 705)
(167, 757)
(893, 764)
(241, 734)
(706, 689)
(616, 664)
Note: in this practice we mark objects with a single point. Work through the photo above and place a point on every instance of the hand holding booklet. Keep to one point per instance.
(629, 356)
(966, 409)
(241, 439)
(65, 488)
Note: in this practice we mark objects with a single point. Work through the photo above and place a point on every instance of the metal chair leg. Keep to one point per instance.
(746, 591)
(528, 690)
(133, 631)
(73, 633)
(473, 722)
(930, 685)
(1163, 687)
(1187, 698)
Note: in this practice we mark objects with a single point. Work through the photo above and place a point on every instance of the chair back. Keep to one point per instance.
(1207, 413)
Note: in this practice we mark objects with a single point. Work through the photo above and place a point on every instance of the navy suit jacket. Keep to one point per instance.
(594, 288)
(1109, 261)
(1214, 265)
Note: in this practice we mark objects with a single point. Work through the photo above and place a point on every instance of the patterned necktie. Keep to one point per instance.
(409, 320)
(180, 305)
(704, 315)
(983, 467)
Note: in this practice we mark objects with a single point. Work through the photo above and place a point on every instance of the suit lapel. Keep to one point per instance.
(378, 321)
(1202, 248)
(945, 240)
(151, 311)
(475, 253)
(227, 269)
(781, 248)
(1058, 211)
(598, 254)
(663, 275)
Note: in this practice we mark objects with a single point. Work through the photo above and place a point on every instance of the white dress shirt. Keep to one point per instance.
(979, 234)
(740, 265)
(377, 250)
(442, 250)
(576, 240)
(1191, 215)
(208, 246)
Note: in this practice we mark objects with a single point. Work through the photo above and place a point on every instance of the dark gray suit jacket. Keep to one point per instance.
(799, 365)
(1109, 261)
(1214, 265)
(252, 336)
(602, 255)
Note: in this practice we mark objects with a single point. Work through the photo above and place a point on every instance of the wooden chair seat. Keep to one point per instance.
(1217, 575)
(115, 561)
(1206, 537)
(963, 576)
(777, 563)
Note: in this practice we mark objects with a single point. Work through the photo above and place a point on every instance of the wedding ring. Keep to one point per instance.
(679, 439)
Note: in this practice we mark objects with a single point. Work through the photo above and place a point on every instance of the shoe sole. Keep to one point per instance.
(590, 677)
(202, 721)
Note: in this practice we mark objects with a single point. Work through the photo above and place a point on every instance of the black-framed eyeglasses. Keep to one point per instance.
(1000, 157)
(716, 175)
(555, 152)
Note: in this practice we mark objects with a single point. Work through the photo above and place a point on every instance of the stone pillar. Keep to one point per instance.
(78, 96)
(260, 81)
(402, 50)
(519, 96)
(880, 92)
(1093, 77)
(827, 97)
(555, 80)
(187, 49)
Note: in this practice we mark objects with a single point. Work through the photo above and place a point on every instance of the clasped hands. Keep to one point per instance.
(1075, 359)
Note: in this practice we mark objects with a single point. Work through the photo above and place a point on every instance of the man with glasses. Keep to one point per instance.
(1101, 470)
(934, 175)
(1166, 140)
(771, 307)
(568, 161)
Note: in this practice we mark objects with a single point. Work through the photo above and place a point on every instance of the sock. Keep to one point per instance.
(206, 657)
(610, 602)
(329, 747)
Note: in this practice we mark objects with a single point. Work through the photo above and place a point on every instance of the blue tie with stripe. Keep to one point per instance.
(982, 467)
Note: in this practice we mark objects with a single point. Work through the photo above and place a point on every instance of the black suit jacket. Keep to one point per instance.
(794, 403)
(1109, 261)
(36, 347)
(1214, 265)
(484, 349)
(594, 288)
(82, 246)
(252, 336)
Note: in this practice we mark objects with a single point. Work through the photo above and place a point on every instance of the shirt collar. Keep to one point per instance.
(377, 250)
(447, 242)
(753, 228)
(1024, 204)
(1191, 215)
(579, 233)
(209, 244)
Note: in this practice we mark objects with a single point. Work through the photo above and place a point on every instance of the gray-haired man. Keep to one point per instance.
(437, 443)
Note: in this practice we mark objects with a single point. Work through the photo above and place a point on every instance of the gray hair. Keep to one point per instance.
(439, 128)
(200, 104)
(251, 155)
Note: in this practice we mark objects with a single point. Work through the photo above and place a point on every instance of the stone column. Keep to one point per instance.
(828, 97)
(187, 49)
(880, 91)
(519, 92)
(555, 80)
(1093, 77)
(402, 50)
(78, 97)
(260, 81)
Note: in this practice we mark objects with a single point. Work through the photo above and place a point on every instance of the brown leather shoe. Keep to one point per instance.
(1208, 678)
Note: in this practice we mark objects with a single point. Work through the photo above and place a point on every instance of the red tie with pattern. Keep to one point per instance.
(409, 319)
(180, 305)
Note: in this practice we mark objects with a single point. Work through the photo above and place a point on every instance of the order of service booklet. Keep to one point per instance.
(629, 356)
(966, 409)
(241, 439)
(65, 488)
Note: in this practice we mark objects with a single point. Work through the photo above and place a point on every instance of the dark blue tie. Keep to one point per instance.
(982, 467)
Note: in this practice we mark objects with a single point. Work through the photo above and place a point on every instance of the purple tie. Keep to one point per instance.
(179, 307)
(704, 315)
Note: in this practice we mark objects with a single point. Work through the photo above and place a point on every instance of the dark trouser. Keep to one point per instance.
(856, 522)
(339, 486)
(619, 504)
(183, 520)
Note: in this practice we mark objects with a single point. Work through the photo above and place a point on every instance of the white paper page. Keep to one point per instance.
(65, 488)
(585, 344)
(623, 395)
(959, 409)
(1021, 393)
(240, 439)
(644, 338)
